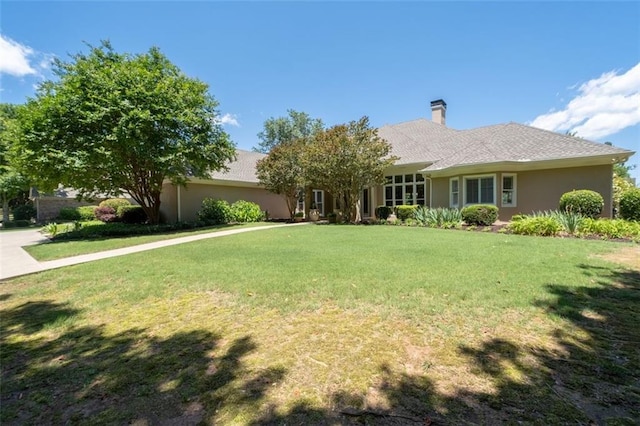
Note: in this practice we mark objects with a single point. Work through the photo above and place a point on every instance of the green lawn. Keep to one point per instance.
(59, 249)
(330, 325)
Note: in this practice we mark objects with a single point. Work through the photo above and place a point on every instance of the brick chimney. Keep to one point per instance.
(439, 111)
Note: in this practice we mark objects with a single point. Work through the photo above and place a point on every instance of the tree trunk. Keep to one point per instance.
(5, 209)
(358, 217)
(291, 205)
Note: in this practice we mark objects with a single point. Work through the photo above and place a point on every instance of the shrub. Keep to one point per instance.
(106, 214)
(87, 212)
(584, 202)
(480, 214)
(246, 211)
(51, 229)
(405, 212)
(439, 217)
(517, 217)
(69, 213)
(569, 221)
(8, 225)
(610, 228)
(22, 223)
(131, 214)
(24, 212)
(630, 204)
(536, 225)
(215, 211)
(114, 203)
(383, 212)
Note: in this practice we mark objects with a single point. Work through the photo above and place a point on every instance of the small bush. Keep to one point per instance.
(106, 214)
(114, 203)
(246, 211)
(23, 223)
(439, 217)
(383, 212)
(517, 217)
(69, 213)
(536, 225)
(583, 202)
(24, 212)
(215, 211)
(630, 205)
(9, 225)
(87, 212)
(610, 228)
(569, 221)
(480, 214)
(51, 229)
(131, 214)
(405, 212)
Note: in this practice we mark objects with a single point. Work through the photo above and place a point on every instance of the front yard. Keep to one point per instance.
(330, 325)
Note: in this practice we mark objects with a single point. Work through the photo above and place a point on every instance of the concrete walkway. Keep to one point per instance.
(15, 261)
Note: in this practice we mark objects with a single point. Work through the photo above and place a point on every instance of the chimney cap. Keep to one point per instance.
(438, 102)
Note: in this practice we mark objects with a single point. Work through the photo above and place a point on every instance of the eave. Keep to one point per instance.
(527, 165)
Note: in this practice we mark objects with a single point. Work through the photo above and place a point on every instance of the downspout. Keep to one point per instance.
(179, 204)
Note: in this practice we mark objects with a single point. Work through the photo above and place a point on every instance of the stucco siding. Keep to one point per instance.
(440, 196)
(191, 200)
(537, 190)
(541, 190)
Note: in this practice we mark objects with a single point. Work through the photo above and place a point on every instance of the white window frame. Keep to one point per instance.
(314, 200)
(413, 195)
(451, 203)
(514, 190)
(479, 177)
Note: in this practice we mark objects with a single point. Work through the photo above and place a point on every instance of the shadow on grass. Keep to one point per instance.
(88, 376)
(590, 376)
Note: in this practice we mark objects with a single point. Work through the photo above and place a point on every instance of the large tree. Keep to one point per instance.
(117, 123)
(297, 125)
(346, 158)
(12, 182)
(281, 171)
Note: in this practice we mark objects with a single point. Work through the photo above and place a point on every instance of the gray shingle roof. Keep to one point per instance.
(422, 141)
(438, 147)
(241, 170)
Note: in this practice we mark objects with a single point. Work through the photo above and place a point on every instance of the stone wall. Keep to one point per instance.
(48, 208)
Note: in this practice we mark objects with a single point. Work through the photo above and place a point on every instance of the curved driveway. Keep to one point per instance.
(15, 261)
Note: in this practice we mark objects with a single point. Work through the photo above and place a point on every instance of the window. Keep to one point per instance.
(300, 203)
(317, 198)
(479, 190)
(365, 202)
(508, 190)
(454, 191)
(404, 190)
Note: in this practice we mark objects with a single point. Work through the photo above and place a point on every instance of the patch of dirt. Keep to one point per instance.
(627, 256)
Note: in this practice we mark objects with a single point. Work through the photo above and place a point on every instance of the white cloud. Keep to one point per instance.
(602, 107)
(230, 119)
(14, 58)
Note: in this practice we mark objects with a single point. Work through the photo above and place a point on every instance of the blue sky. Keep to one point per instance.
(558, 65)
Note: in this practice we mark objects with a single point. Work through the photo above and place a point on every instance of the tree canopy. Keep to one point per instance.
(297, 125)
(346, 158)
(281, 172)
(116, 123)
(12, 182)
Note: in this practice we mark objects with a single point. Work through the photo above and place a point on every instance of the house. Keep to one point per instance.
(238, 183)
(518, 168)
(48, 205)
